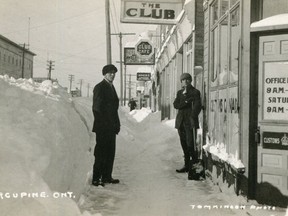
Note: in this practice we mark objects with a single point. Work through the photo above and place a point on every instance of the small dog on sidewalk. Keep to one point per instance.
(197, 172)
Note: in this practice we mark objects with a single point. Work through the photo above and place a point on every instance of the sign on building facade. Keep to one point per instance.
(143, 76)
(150, 12)
(276, 91)
(131, 58)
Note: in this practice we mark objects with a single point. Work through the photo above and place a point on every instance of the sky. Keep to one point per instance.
(70, 32)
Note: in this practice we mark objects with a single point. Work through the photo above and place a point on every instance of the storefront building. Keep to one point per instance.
(244, 59)
(236, 51)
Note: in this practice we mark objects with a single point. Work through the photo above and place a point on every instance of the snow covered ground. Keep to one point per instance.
(46, 158)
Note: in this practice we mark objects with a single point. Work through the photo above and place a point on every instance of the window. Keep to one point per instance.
(214, 62)
(223, 72)
(225, 35)
(271, 8)
(224, 7)
(215, 12)
(234, 47)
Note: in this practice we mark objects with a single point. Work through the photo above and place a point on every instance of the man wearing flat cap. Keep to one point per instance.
(106, 126)
(188, 104)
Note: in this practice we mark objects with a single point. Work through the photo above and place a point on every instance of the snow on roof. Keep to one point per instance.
(279, 21)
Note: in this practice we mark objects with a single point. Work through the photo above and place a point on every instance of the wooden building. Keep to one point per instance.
(237, 53)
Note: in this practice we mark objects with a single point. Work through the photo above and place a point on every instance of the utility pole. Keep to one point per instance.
(108, 32)
(71, 79)
(121, 63)
(50, 68)
(124, 84)
(88, 89)
(130, 87)
(23, 59)
(80, 82)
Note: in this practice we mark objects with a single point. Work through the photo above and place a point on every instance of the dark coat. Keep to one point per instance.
(105, 108)
(189, 106)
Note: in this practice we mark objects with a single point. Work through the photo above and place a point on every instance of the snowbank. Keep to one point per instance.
(44, 150)
(140, 115)
(219, 150)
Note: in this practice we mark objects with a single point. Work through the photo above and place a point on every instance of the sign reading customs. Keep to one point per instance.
(273, 140)
(150, 12)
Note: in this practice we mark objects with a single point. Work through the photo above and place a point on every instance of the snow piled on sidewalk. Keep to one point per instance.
(44, 157)
(140, 115)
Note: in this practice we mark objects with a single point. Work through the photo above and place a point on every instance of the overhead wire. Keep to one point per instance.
(55, 22)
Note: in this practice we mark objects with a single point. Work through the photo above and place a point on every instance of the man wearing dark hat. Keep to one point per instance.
(188, 103)
(106, 126)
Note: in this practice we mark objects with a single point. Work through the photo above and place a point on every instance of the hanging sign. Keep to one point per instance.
(144, 49)
(131, 58)
(150, 12)
(143, 76)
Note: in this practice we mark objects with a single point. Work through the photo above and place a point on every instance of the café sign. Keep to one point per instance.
(144, 48)
(150, 12)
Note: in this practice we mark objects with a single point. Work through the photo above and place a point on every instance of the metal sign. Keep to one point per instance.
(144, 48)
(150, 12)
(131, 58)
(274, 140)
(143, 76)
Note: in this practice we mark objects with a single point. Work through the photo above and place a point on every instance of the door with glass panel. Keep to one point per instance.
(272, 171)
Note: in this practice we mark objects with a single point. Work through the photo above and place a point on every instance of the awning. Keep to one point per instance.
(277, 22)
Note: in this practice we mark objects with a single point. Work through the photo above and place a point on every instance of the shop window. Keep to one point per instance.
(225, 33)
(233, 2)
(223, 72)
(215, 53)
(235, 43)
(215, 12)
(271, 8)
(224, 7)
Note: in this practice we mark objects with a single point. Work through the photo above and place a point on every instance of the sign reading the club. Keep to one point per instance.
(144, 49)
(150, 12)
(143, 76)
(131, 58)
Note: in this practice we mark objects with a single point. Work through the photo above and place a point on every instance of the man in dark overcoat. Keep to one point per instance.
(188, 103)
(106, 126)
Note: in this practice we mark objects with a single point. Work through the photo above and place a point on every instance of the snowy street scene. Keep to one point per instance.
(47, 158)
(143, 107)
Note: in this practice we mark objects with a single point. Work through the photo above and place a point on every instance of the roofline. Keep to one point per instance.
(15, 44)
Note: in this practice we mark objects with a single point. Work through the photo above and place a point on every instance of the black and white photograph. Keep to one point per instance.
(143, 107)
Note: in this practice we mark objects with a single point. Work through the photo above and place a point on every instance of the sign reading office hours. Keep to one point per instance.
(275, 95)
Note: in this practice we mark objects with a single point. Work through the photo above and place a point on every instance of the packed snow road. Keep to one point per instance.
(147, 155)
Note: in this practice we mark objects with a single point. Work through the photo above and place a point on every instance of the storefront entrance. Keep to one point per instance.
(272, 174)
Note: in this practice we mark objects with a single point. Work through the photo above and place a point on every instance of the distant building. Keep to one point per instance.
(15, 61)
